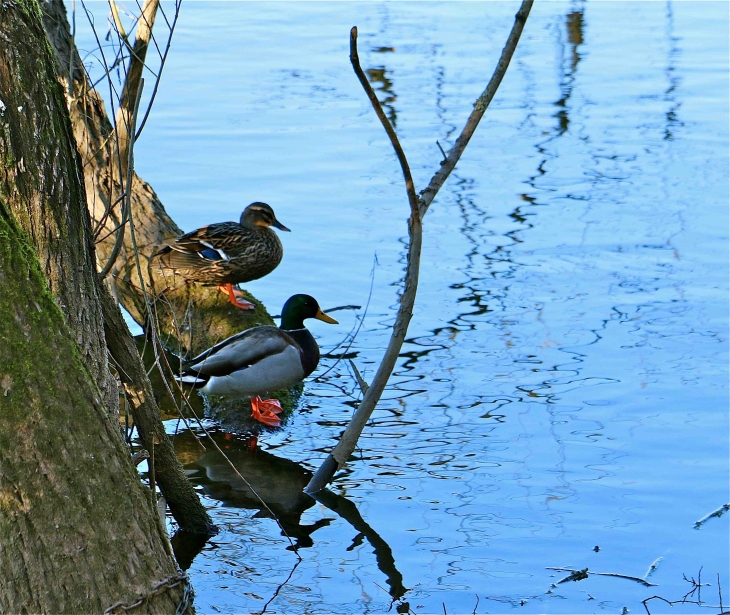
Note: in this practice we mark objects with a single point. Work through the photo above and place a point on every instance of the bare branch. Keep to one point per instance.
(134, 74)
(480, 106)
(349, 438)
(348, 441)
(360, 380)
(127, 202)
(119, 25)
(163, 59)
(355, 60)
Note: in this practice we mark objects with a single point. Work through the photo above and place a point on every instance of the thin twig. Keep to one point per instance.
(281, 585)
(102, 221)
(119, 25)
(363, 385)
(338, 308)
(719, 591)
(356, 329)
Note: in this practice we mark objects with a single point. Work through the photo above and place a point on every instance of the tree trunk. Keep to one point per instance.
(65, 474)
(78, 532)
(30, 179)
(42, 181)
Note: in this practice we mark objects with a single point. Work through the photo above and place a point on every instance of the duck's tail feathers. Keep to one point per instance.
(198, 381)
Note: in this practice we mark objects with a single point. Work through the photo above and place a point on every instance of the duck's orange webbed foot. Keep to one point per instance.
(235, 297)
(265, 411)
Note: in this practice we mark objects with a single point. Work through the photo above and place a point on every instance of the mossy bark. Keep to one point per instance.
(65, 474)
(41, 182)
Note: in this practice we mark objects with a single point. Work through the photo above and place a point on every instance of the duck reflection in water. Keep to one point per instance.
(278, 482)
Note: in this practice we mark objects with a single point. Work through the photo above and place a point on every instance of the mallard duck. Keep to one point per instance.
(228, 253)
(261, 359)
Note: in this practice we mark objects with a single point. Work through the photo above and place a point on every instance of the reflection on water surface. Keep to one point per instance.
(564, 385)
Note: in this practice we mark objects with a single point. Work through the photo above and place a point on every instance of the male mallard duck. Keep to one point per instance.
(261, 359)
(228, 253)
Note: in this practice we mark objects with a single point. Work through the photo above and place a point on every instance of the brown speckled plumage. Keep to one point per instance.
(228, 252)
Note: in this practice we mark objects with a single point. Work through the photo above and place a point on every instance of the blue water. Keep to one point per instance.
(564, 385)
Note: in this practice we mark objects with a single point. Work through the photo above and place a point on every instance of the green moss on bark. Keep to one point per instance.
(66, 472)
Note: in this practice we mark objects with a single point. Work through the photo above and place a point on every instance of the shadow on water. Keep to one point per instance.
(273, 487)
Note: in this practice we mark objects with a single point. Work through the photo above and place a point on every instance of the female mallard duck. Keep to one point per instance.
(228, 253)
(261, 359)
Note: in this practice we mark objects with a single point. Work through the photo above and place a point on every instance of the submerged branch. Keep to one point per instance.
(715, 513)
(579, 575)
(182, 499)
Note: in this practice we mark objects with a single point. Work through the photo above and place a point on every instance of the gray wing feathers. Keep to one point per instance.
(241, 350)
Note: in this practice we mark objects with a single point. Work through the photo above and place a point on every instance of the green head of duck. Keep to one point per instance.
(300, 307)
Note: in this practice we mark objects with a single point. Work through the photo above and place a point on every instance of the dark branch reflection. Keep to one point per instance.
(672, 78)
(574, 28)
(383, 553)
(383, 86)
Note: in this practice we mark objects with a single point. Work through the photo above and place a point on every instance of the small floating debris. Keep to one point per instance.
(579, 575)
(715, 513)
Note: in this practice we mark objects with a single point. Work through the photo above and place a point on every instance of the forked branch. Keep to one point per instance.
(419, 205)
